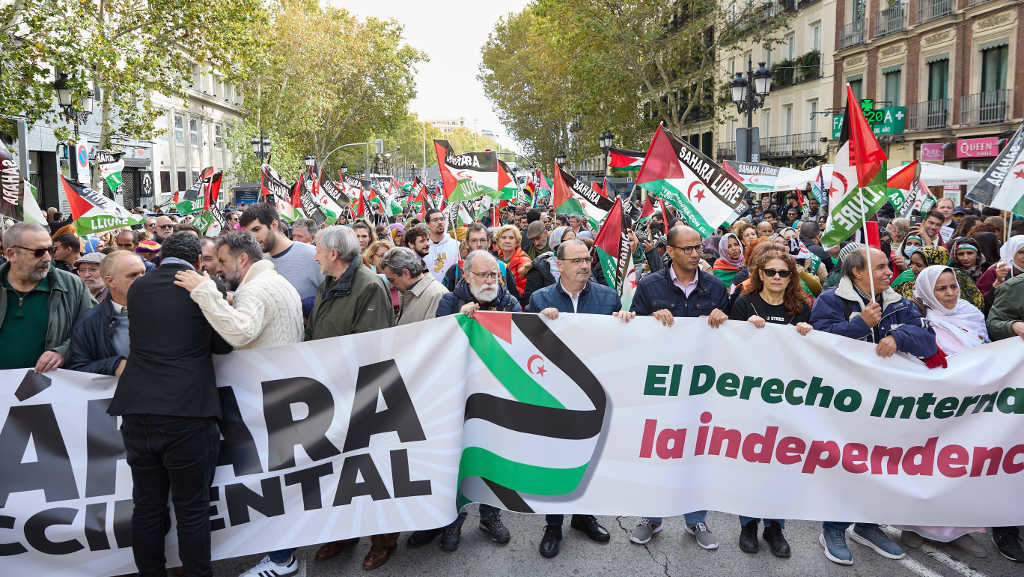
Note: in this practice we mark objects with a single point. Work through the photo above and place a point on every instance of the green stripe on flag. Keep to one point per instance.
(664, 191)
(504, 368)
(609, 265)
(530, 479)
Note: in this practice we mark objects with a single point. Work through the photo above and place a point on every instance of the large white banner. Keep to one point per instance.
(389, 431)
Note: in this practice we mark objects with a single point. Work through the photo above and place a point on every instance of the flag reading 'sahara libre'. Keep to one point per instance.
(1002, 186)
(10, 185)
(468, 175)
(94, 212)
(613, 247)
(274, 189)
(705, 194)
(575, 197)
(859, 187)
(623, 160)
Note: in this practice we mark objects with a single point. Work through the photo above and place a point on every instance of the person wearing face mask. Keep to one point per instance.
(958, 326)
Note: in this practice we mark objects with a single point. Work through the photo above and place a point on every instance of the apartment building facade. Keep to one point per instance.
(952, 64)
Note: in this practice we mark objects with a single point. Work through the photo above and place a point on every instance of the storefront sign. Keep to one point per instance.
(977, 147)
(932, 152)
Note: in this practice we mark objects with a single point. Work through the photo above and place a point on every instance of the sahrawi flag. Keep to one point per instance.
(575, 197)
(1002, 186)
(623, 160)
(859, 186)
(197, 197)
(613, 247)
(706, 195)
(468, 175)
(111, 165)
(94, 212)
(535, 426)
(508, 188)
(274, 189)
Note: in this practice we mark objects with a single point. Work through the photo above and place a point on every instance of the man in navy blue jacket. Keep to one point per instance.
(574, 292)
(681, 290)
(894, 324)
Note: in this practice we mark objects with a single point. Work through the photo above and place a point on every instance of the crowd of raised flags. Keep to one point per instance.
(485, 212)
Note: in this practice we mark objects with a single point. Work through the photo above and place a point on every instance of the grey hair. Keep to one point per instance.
(473, 255)
(856, 260)
(241, 242)
(341, 239)
(402, 258)
(306, 223)
(12, 236)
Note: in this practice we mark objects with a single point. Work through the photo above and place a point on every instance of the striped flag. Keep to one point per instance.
(536, 425)
(624, 160)
(705, 194)
(1002, 186)
(613, 247)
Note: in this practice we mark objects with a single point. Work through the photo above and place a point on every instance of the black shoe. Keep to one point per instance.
(589, 525)
(748, 538)
(777, 543)
(421, 538)
(451, 535)
(495, 529)
(550, 541)
(1008, 543)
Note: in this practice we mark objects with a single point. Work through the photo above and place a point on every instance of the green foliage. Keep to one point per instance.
(124, 49)
(561, 72)
(285, 157)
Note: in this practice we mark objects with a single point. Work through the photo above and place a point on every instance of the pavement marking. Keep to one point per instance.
(954, 564)
(915, 566)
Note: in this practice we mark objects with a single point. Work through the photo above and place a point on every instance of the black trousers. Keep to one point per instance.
(176, 456)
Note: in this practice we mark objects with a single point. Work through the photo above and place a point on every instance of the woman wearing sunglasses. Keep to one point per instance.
(773, 295)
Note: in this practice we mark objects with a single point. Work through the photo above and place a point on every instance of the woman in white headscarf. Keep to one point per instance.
(959, 326)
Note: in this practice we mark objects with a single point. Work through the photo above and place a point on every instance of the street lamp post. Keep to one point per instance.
(748, 94)
(66, 101)
(606, 141)
(560, 159)
(261, 147)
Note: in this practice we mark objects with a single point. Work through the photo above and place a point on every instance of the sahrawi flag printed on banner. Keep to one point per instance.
(705, 194)
(1002, 186)
(94, 212)
(575, 197)
(468, 175)
(623, 160)
(859, 187)
(542, 410)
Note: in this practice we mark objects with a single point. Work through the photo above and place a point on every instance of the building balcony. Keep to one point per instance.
(791, 146)
(851, 34)
(726, 151)
(932, 9)
(990, 107)
(972, 3)
(892, 19)
(928, 115)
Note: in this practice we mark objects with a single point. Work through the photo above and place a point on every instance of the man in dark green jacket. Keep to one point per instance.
(39, 304)
(351, 299)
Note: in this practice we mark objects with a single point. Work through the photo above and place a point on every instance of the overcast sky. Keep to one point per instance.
(451, 32)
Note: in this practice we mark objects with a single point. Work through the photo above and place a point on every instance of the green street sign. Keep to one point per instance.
(887, 120)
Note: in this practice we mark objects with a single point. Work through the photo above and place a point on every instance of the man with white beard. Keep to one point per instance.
(478, 290)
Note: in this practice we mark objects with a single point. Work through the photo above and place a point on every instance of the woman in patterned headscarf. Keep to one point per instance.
(926, 256)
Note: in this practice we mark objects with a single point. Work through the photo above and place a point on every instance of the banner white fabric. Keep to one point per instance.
(388, 431)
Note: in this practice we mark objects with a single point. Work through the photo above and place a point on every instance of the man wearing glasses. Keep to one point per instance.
(164, 228)
(39, 304)
(681, 290)
(574, 293)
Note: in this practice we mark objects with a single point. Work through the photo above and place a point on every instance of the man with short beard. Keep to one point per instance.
(479, 290)
(418, 239)
(293, 260)
(163, 229)
(443, 251)
(266, 310)
(39, 304)
(88, 267)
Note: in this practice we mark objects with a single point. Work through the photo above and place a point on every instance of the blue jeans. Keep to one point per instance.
(281, 557)
(690, 518)
(744, 520)
(841, 526)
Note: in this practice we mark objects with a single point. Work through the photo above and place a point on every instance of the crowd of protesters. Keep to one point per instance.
(150, 305)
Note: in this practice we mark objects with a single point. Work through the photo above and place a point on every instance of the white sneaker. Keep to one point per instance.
(267, 568)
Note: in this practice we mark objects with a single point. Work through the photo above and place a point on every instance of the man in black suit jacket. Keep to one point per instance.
(167, 395)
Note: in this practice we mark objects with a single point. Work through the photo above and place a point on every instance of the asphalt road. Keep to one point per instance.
(671, 553)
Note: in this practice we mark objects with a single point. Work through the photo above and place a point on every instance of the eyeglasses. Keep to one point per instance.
(577, 261)
(166, 226)
(485, 275)
(38, 252)
(685, 249)
(770, 272)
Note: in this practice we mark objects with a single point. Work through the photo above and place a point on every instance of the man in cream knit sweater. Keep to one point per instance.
(266, 309)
